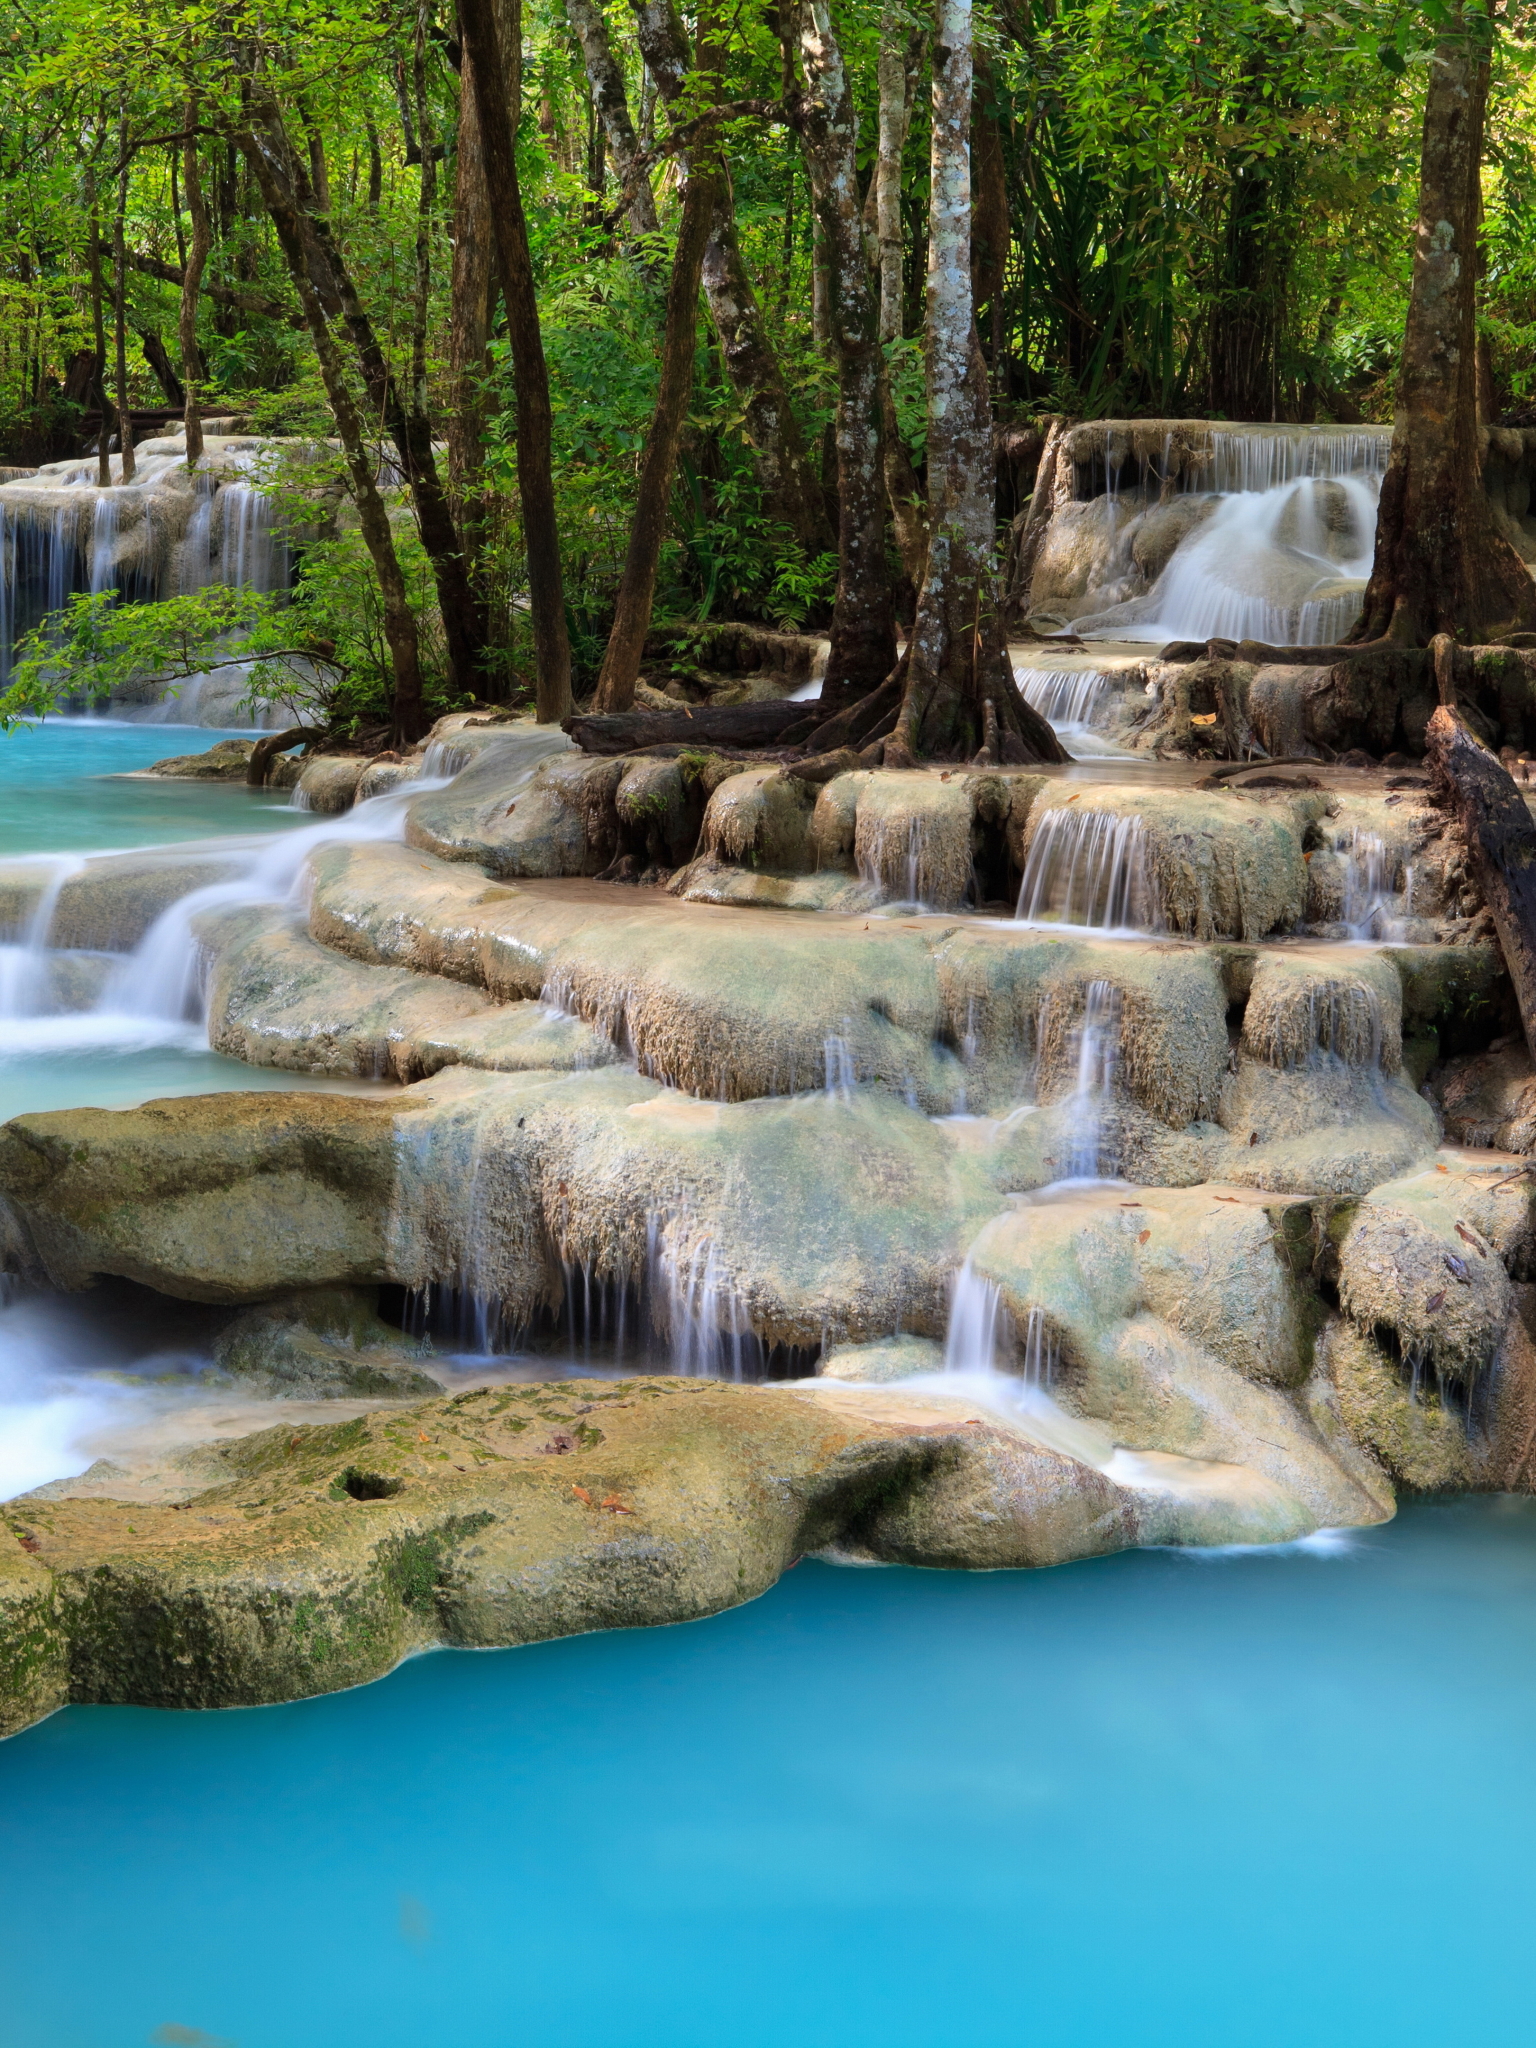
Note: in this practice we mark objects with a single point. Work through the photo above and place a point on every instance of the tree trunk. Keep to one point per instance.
(535, 426)
(791, 489)
(959, 699)
(1441, 565)
(1501, 845)
(1053, 489)
(411, 431)
(612, 103)
(158, 358)
(863, 625)
(908, 517)
(408, 709)
(192, 283)
(637, 586)
(469, 325)
(99, 330)
(120, 307)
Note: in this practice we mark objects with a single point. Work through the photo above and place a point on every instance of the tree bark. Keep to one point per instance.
(158, 358)
(411, 430)
(469, 324)
(908, 514)
(408, 709)
(535, 425)
(1441, 565)
(191, 285)
(120, 308)
(612, 103)
(1053, 489)
(733, 725)
(960, 699)
(863, 624)
(637, 585)
(791, 489)
(99, 328)
(1501, 845)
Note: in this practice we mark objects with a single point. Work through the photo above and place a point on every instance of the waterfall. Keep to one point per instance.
(103, 544)
(1373, 907)
(841, 1079)
(711, 1335)
(26, 980)
(1260, 458)
(979, 1325)
(1089, 869)
(1096, 1045)
(1072, 702)
(1277, 550)
(1041, 1352)
(885, 857)
(251, 555)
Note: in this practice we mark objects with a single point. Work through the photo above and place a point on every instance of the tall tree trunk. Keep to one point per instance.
(637, 586)
(957, 665)
(471, 297)
(192, 280)
(989, 210)
(1441, 565)
(274, 178)
(120, 304)
(409, 428)
(612, 104)
(535, 427)
(901, 482)
(863, 624)
(99, 330)
(791, 489)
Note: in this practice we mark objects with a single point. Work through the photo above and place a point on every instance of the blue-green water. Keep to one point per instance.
(1259, 1801)
(54, 793)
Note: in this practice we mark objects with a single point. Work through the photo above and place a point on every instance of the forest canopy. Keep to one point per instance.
(1195, 208)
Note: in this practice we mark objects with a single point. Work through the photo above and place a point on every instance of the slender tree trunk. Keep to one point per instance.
(901, 481)
(535, 427)
(471, 296)
(120, 305)
(863, 624)
(274, 178)
(197, 258)
(1441, 565)
(410, 429)
(612, 103)
(960, 699)
(99, 331)
(791, 489)
(637, 586)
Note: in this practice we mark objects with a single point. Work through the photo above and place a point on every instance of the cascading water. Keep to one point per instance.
(1089, 869)
(1277, 549)
(1096, 1045)
(1374, 907)
(103, 545)
(1075, 704)
(979, 1328)
(841, 1078)
(706, 1318)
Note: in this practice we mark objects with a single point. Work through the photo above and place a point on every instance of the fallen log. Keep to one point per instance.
(732, 725)
(1501, 844)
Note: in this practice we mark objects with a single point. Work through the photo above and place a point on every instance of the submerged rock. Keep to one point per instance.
(324, 1341)
(227, 762)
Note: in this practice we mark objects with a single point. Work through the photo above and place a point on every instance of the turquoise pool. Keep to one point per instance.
(55, 789)
(1271, 1800)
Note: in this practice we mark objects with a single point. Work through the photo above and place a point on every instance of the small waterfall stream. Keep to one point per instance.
(1090, 870)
